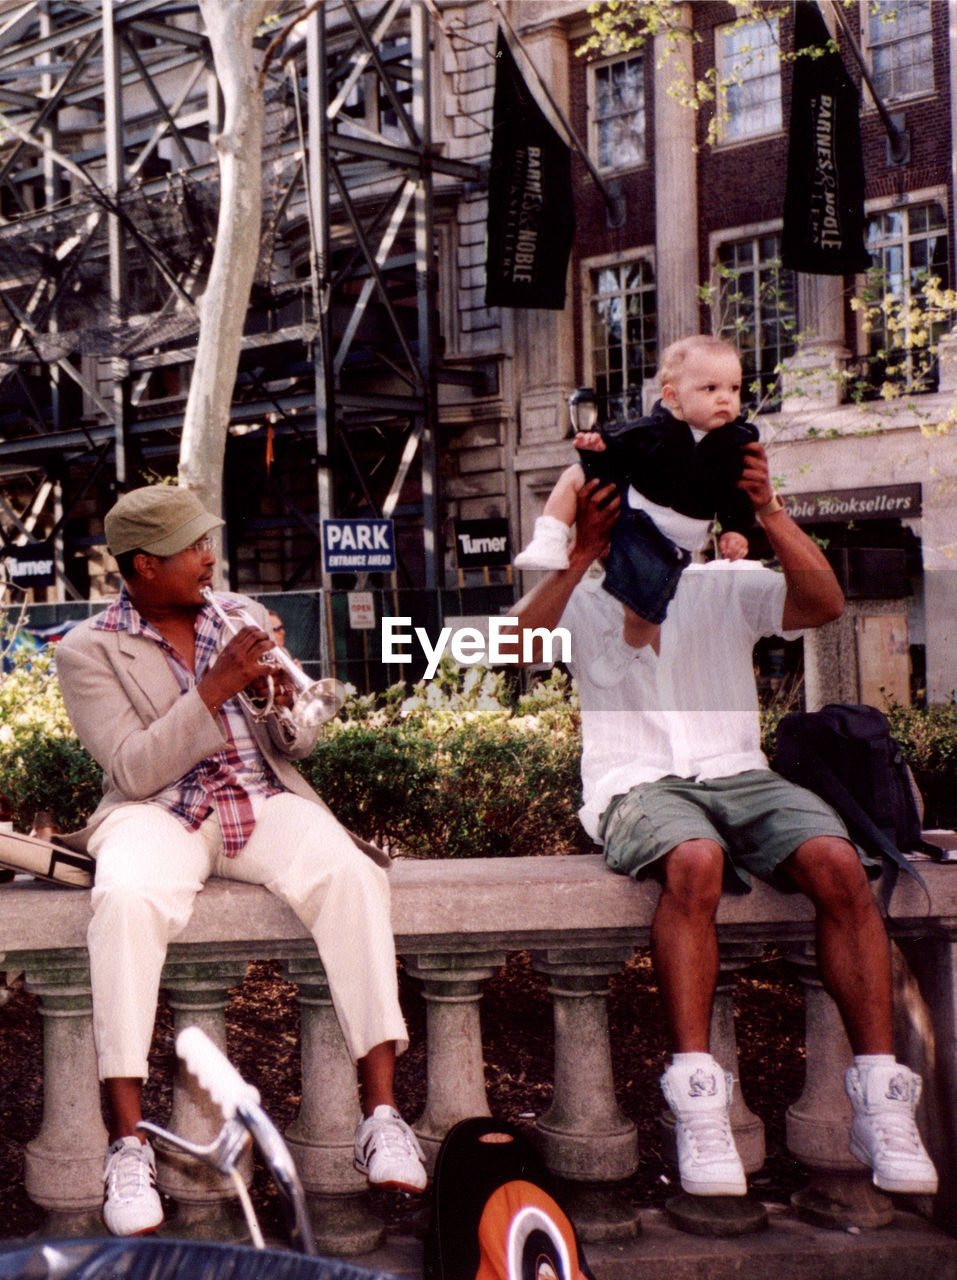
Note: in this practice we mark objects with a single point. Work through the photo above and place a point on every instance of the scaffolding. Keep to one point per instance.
(108, 206)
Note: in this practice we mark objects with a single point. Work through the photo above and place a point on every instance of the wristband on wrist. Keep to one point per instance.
(770, 508)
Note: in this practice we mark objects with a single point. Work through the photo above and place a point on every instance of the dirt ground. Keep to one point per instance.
(262, 1031)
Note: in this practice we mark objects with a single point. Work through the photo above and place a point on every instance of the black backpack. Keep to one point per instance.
(494, 1213)
(847, 756)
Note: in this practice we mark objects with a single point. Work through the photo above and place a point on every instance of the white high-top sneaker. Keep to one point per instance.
(699, 1095)
(883, 1132)
(548, 548)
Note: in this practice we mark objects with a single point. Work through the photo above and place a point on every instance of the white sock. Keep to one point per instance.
(552, 524)
(692, 1060)
(874, 1060)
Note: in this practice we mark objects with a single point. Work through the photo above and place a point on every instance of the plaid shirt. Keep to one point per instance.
(234, 781)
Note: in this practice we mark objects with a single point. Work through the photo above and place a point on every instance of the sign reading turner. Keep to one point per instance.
(482, 542)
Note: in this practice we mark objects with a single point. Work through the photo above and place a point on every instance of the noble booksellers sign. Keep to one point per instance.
(880, 502)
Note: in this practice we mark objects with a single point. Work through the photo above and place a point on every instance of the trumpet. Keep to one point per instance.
(316, 701)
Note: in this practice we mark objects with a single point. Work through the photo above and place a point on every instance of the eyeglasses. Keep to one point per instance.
(205, 543)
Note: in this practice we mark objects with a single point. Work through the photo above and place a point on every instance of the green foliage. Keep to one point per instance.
(619, 26)
(461, 767)
(928, 741)
(378, 780)
(903, 334)
(42, 765)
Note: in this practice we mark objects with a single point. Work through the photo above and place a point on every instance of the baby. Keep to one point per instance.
(677, 471)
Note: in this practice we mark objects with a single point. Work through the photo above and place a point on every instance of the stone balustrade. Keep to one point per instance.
(454, 923)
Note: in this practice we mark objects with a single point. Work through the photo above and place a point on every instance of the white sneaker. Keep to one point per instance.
(699, 1097)
(388, 1152)
(883, 1132)
(548, 548)
(132, 1205)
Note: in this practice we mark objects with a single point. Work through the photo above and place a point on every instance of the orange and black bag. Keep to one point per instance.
(494, 1214)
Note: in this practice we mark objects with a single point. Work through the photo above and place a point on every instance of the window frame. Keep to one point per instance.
(725, 136)
(739, 235)
(605, 262)
(878, 207)
(595, 121)
(868, 47)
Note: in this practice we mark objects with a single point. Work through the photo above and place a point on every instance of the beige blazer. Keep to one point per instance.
(128, 711)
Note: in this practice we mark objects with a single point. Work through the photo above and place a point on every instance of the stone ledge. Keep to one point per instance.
(908, 1249)
(469, 905)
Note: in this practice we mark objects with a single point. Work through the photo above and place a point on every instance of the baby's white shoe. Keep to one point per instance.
(548, 548)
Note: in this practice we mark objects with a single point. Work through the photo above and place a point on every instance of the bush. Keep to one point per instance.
(461, 767)
(377, 780)
(928, 740)
(42, 765)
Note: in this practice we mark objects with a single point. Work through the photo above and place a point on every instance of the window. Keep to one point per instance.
(618, 113)
(908, 247)
(756, 302)
(900, 45)
(623, 336)
(367, 105)
(397, 57)
(749, 71)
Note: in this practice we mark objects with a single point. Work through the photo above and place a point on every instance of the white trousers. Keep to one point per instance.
(149, 869)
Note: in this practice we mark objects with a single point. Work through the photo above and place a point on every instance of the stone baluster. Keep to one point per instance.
(205, 1209)
(64, 1162)
(840, 1194)
(322, 1136)
(451, 986)
(748, 1129)
(586, 1139)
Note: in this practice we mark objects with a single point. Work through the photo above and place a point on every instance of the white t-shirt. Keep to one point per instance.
(690, 711)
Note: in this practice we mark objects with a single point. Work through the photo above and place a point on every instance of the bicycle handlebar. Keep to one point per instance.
(215, 1072)
(240, 1105)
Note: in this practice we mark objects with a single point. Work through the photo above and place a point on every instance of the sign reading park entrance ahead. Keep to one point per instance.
(358, 546)
(880, 502)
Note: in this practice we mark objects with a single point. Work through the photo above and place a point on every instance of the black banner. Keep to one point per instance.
(531, 221)
(824, 200)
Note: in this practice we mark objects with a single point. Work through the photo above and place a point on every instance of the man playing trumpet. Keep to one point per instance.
(196, 785)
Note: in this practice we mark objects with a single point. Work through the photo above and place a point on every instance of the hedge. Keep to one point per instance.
(464, 766)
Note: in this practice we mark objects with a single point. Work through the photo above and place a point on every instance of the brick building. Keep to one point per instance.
(458, 411)
(703, 196)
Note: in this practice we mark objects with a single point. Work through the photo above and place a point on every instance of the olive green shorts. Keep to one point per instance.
(758, 818)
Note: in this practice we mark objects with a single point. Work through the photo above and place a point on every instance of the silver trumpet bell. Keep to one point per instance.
(316, 701)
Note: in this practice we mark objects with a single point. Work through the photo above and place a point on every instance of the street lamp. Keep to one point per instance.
(583, 409)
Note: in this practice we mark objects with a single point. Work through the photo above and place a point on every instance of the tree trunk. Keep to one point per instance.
(231, 25)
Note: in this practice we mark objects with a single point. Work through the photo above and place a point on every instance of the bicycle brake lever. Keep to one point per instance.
(222, 1153)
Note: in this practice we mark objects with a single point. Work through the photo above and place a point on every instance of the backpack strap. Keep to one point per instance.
(935, 851)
